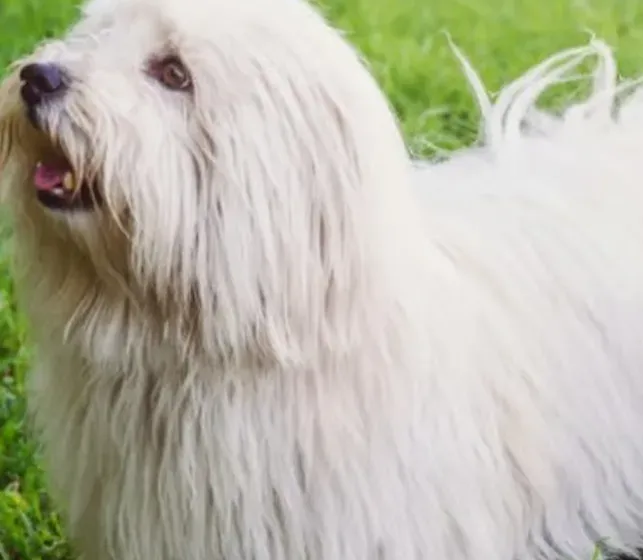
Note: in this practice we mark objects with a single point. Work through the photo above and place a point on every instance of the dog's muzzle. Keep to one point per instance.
(56, 185)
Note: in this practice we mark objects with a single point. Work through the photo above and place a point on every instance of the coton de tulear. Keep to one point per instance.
(263, 333)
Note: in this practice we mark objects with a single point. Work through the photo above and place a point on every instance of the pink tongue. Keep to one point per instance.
(47, 177)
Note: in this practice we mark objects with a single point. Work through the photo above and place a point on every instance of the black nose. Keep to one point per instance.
(40, 81)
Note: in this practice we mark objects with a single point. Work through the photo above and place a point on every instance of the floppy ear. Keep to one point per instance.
(298, 162)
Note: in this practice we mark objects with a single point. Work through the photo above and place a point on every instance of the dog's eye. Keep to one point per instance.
(173, 75)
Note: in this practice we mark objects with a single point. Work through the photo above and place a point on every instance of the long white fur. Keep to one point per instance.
(282, 339)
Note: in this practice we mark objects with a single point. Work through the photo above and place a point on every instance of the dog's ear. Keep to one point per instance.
(280, 171)
(294, 167)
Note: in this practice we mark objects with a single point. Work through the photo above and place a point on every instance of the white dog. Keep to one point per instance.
(263, 334)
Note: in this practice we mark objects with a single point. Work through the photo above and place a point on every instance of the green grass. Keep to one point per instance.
(404, 42)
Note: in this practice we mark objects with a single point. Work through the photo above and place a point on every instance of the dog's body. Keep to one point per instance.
(266, 344)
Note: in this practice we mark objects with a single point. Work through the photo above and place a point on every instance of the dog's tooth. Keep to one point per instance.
(68, 181)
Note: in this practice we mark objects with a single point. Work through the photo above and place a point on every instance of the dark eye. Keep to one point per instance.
(172, 74)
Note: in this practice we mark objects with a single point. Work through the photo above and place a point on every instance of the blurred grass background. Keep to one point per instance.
(405, 43)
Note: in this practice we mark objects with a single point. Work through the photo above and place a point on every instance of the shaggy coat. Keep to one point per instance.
(275, 337)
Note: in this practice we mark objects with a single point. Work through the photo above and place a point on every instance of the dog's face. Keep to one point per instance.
(199, 150)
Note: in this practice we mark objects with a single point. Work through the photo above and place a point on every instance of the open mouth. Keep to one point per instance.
(58, 188)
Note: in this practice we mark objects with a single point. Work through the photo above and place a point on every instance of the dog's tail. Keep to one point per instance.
(514, 113)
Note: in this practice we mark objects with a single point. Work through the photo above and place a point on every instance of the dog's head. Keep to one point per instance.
(231, 155)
